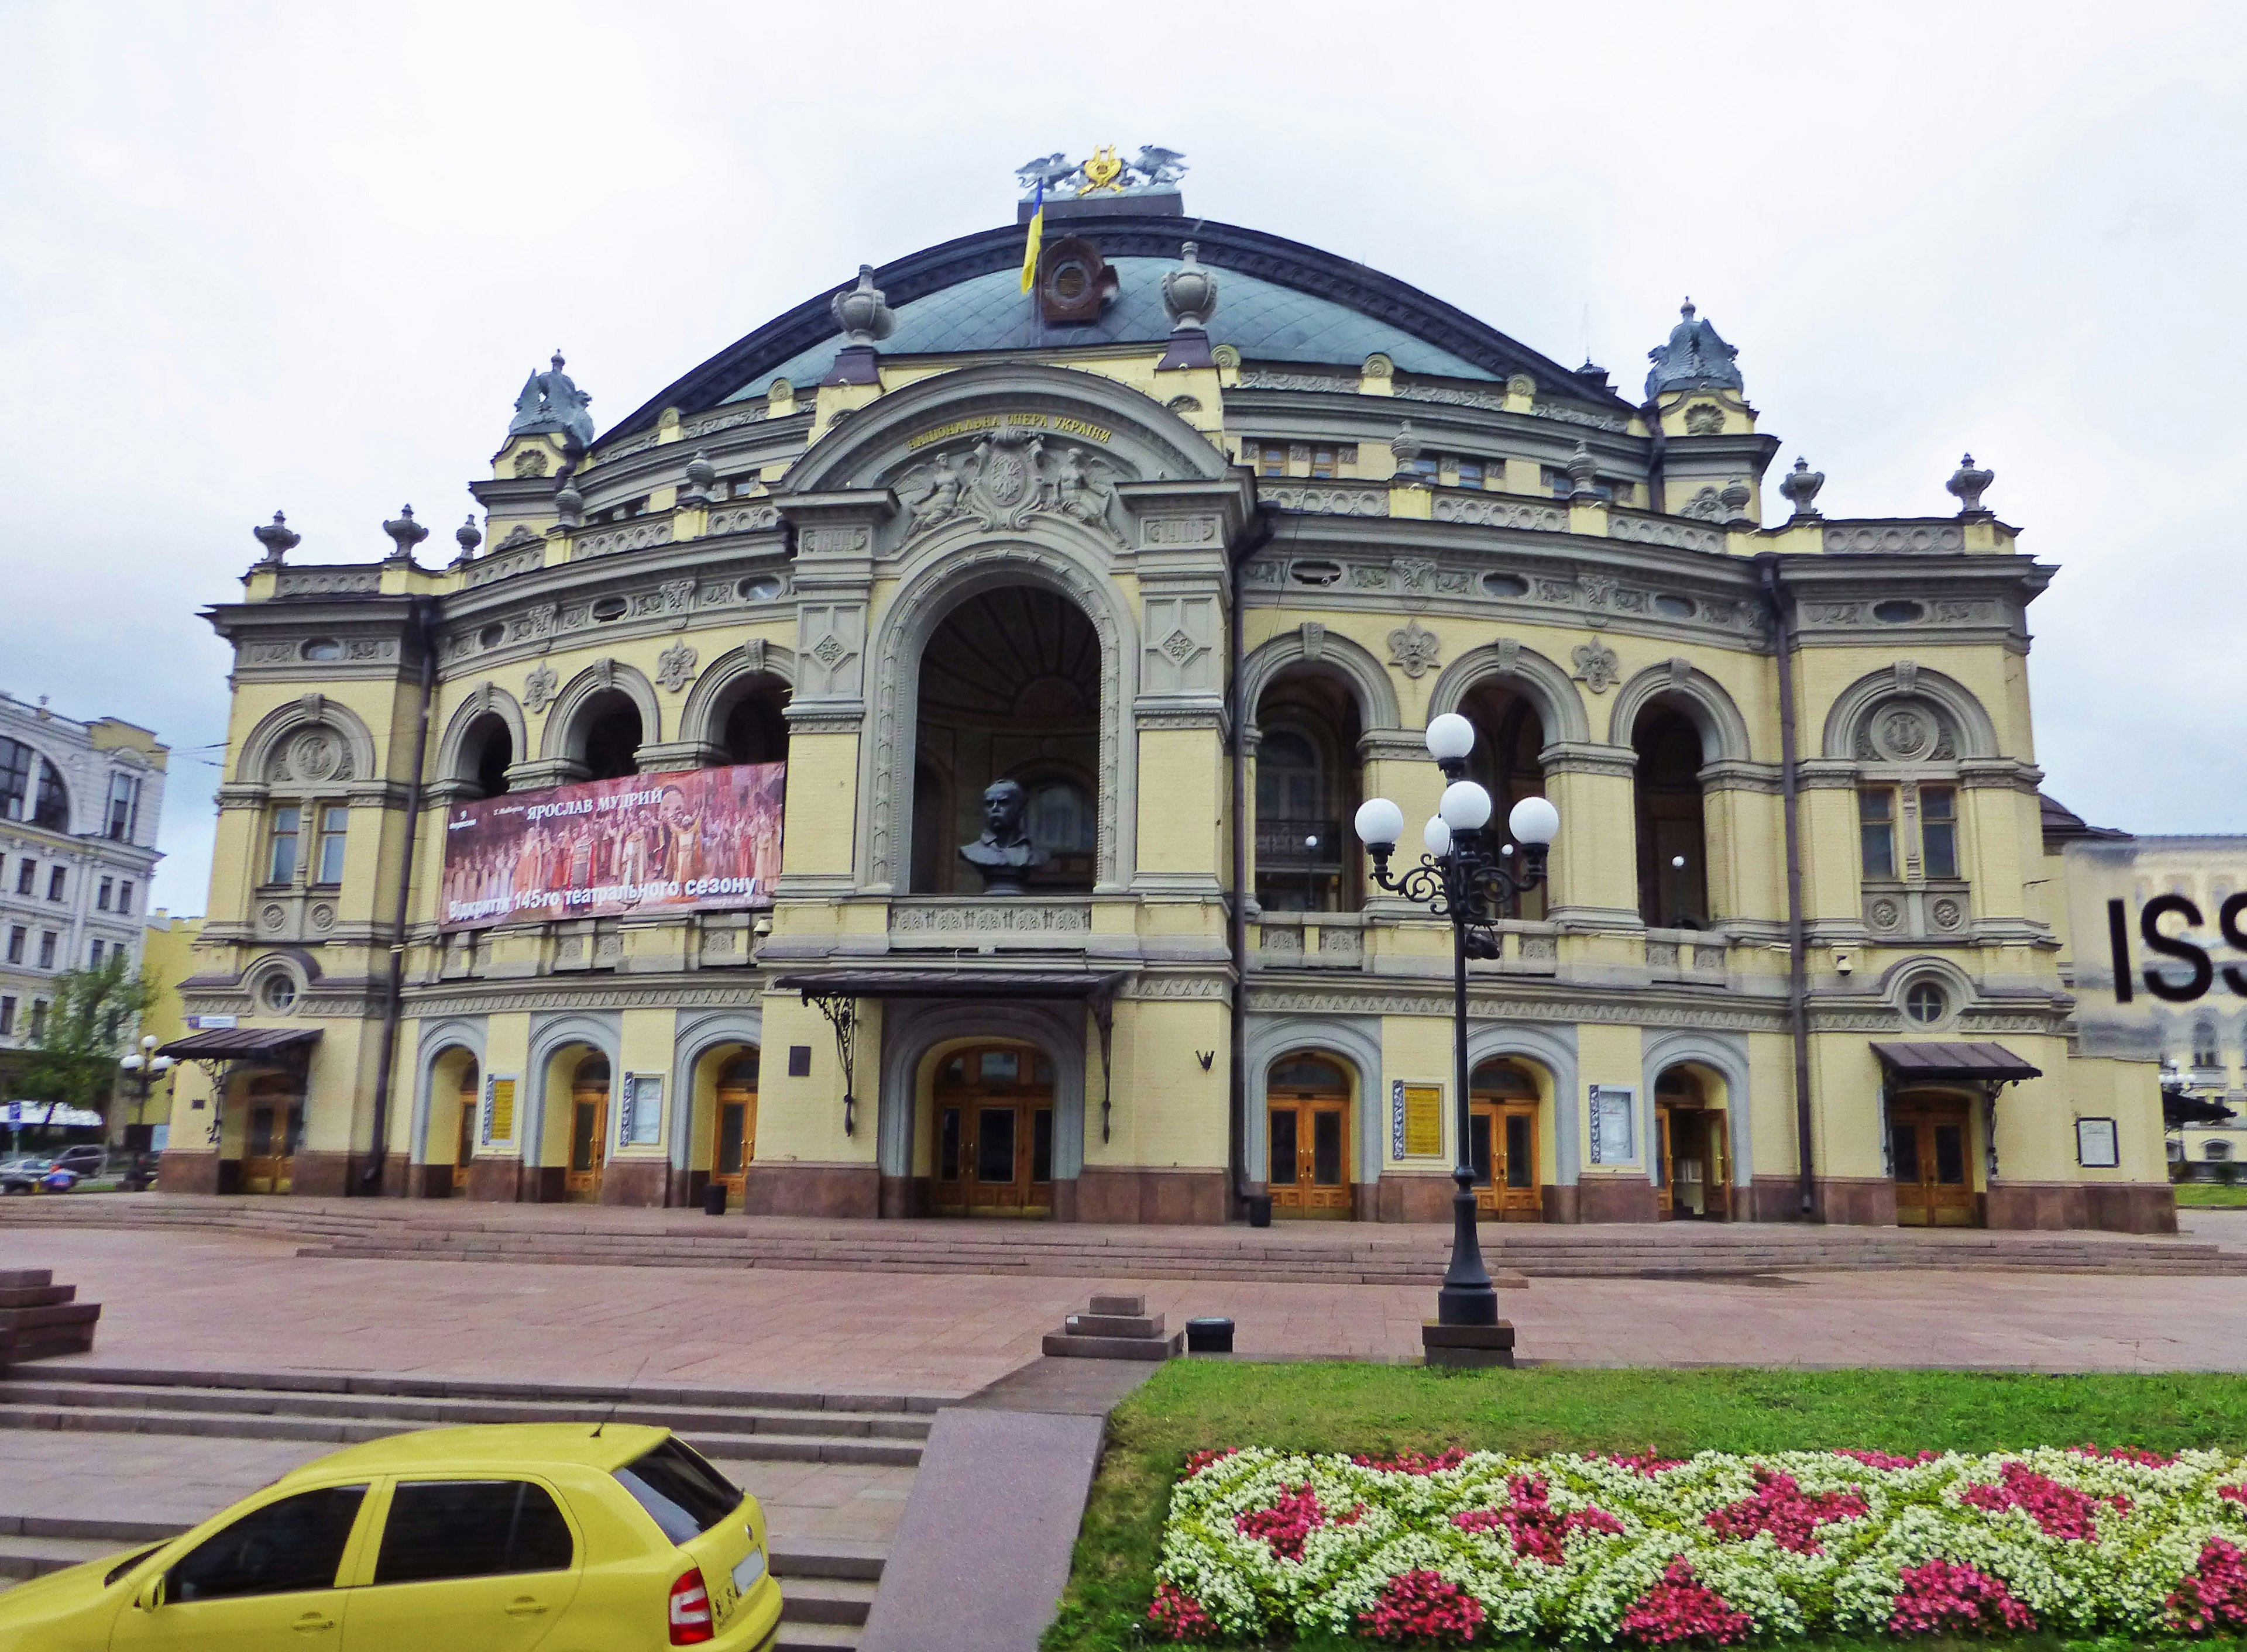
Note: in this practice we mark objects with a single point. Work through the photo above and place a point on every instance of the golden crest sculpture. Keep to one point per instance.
(1103, 171)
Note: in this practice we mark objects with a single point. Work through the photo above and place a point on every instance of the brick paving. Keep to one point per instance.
(201, 1300)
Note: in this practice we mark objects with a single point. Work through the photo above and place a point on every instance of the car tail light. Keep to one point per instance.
(690, 1610)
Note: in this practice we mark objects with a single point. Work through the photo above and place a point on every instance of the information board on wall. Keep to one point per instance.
(641, 1124)
(1416, 1120)
(699, 840)
(1614, 1116)
(499, 1109)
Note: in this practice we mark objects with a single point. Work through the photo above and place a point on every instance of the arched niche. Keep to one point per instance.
(1355, 1041)
(432, 1041)
(1068, 563)
(756, 671)
(1724, 1056)
(1554, 1051)
(466, 751)
(1347, 662)
(571, 723)
(913, 1030)
(1962, 717)
(1695, 695)
(270, 755)
(1528, 673)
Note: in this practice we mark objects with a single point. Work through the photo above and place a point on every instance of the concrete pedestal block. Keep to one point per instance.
(1467, 1344)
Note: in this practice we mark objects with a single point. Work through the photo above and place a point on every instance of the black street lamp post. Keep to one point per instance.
(1461, 878)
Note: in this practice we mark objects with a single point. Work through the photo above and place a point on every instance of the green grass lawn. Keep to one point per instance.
(2210, 1196)
(1192, 1404)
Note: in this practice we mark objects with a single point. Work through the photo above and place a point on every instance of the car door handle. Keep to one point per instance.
(313, 1623)
(525, 1607)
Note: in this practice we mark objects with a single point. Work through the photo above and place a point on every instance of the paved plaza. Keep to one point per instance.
(188, 1299)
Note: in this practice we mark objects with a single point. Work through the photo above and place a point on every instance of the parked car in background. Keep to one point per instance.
(84, 1160)
(614, 1537)
(37, 1175)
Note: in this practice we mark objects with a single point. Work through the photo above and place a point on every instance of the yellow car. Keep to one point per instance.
(563, 1536)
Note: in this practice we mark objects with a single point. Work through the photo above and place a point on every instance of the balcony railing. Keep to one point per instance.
(1281, 845)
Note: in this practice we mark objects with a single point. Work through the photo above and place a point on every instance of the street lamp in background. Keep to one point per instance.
(1461, 878)
(144, 1067)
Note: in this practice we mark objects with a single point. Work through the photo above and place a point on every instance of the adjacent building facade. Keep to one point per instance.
(79, 803)
(1188, 542)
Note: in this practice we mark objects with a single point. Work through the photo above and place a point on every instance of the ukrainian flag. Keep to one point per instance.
(1038, 239)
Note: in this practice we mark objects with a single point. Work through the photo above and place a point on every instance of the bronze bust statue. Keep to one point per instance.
(1004, 852)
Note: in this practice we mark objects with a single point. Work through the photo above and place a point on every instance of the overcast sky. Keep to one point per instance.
(301, 256)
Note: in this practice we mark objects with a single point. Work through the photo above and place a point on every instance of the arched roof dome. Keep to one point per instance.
(1278, 301)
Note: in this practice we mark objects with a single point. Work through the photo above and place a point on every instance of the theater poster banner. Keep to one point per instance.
(701, 840)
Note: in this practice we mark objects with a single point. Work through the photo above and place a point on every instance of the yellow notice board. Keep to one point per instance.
(1416, 1120)
(499, 1109)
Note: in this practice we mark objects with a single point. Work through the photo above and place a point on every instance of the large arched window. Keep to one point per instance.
(612, 735)
(486, 752)
(1673, 874)
(1910, 848)
(32, 788)
(1506, 758)
(1308, 788)
(754, 725)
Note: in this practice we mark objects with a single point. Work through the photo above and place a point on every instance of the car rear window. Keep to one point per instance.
(679, 1490)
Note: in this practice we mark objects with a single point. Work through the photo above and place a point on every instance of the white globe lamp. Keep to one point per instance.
(1451, 737)
(1380, 822)
(1465, 807)
(1534, 823)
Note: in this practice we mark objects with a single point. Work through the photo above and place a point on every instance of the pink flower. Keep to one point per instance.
(2215, 1595)
(1540, 1531)
(1942, 1596)
(1420, 1608)
(1681, 1608)
(2060, 1511)
(1884, 1460)
(1290, 1521)
(1196, 1461)
(1784, 1509)
(2124, 1454)
(1645, 1463)
(1176, 1615)
(2235, 1493)
(1413, 1461)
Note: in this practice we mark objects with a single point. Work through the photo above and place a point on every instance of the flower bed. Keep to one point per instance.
(1465, 1549)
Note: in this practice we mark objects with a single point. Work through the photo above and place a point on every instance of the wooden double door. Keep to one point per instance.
(274, 1126)
(1306, 1125)
(589, 1131)
(1930, 1147)
(735, 1148)
(994, 1132)
(465, 1149)
(1502, 1144)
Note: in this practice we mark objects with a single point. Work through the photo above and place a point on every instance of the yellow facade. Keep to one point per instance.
(1195, 586)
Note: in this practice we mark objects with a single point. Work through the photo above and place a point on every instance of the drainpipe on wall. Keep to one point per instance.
(1798, 982)
(1258, 537)
(420, 626)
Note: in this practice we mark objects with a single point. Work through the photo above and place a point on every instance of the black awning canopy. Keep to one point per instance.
(242, 1043)
(953, 983)
(1977, 1063)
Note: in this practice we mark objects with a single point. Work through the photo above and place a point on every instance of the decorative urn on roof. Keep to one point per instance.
(1968, 484)
(278, 538)
(404, 534)
(865, 320)
(1189, 291)
(1800, 485)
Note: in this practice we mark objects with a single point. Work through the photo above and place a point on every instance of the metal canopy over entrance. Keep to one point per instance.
(1925, 1137)
(1938, 1062)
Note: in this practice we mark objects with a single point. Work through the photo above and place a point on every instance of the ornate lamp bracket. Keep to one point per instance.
(842, 1013)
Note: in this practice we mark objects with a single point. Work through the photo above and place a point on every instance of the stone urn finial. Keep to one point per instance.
(1406, 447)
(702, 477)
(1968, 484)
(570, 504)
(404, 534)
(1734, 498)
(1582, 474)
(865, 320)
(1800, 485)
(470, 537)
(1189, 291)
(278, 538)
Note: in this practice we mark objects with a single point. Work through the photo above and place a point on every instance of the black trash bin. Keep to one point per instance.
(1209, 1336)
(713, 1199)
(1260, 1210)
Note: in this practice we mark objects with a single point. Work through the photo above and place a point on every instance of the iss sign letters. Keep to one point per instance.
(699, 840)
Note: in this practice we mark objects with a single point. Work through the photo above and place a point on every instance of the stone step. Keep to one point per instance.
(477, 1388)
(825, 1600)
(1061, 1346)
(1114, 1324)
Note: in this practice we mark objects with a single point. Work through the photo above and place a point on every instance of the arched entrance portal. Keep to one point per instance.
(1308, 1134)
(993, 1137)
(1692, 1143)
(1930, 1154)
(735, 1148)
(471, 1088)
(589, 1130)
(1502, 1117)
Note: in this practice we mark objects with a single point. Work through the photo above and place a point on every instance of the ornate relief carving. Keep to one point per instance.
(831, 638)
(637, 536)
(1412, 649)
(1661, 531)
(1008, 918)
(745, 519)
(318, 755)
(1707, 505)
(1703, 419)
(1006, 478)
(1498, 513)
(531, 462)
(1415, 575)
(327, 582)
(1894, 535)
(1314, 638)
(1371, 500)
(1179, 530)
(540, 687)
(675, 667)
(849, 541)
(1597, 668)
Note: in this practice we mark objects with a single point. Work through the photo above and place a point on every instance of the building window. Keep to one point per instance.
(30, 788)
(104, 895)
(2217, 1152)
(1269, 458)
(334, 823)
(2204, 1052)
(26, 876)
(281, 862)
(124, 897)
(47, 940)
(16, 939)
(7, 1017)
(1471, 473)
(1322, 462)
(38, 1017)
(1876, 830)
(279, 992)
(1926, 1003)
(1938, 830)
(57, 881)
(123, 806)
(93, 956)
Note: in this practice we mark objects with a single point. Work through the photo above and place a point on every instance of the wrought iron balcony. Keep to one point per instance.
(1282, 845)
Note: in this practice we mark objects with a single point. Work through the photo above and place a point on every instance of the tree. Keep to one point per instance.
(89, 1023)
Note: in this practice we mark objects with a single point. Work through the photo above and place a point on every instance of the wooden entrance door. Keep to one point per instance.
(1930, 1143)
(994, 1132)
(1502, 1144)
(1306, 1120)
(275, 1125)
(736, 1147)
(589, 1128)
(471, 1095)
(1690, 1144)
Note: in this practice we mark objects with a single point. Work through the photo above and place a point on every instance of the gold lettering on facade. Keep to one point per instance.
(1023, 420)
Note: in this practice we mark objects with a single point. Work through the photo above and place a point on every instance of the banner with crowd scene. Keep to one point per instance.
(699, 840)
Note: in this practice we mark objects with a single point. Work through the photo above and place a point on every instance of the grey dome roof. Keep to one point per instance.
(1278, 301)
